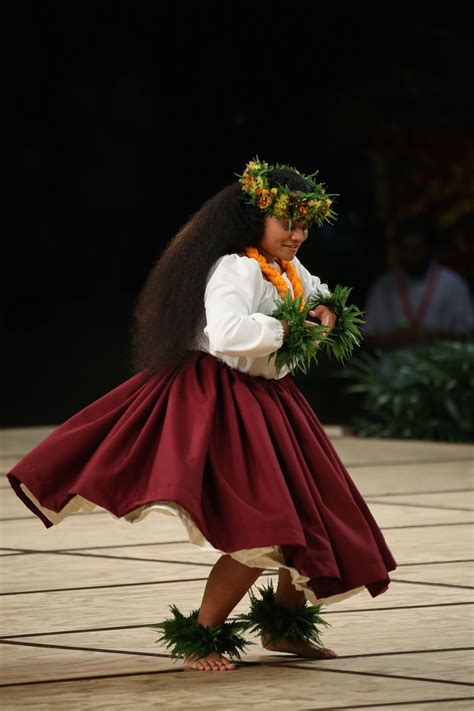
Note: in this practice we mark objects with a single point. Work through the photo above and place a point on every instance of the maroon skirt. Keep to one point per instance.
(242, 460)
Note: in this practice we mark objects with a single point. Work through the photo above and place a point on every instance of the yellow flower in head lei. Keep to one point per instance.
(282, 202)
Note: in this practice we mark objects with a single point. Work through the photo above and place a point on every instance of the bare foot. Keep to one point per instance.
(213, 662)
(299, 647)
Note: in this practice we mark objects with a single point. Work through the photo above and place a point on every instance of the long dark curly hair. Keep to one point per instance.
(169, 310)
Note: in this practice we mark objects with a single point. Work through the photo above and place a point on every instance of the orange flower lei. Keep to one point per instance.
(276, 278)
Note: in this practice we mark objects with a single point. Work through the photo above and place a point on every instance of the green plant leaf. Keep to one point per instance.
(426, 394)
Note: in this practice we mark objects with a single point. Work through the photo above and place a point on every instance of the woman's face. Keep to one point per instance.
(278, 242)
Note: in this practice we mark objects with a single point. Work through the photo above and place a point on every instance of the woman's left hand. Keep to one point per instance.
(325, 315)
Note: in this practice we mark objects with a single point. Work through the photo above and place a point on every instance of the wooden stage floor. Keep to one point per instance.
(77, 599)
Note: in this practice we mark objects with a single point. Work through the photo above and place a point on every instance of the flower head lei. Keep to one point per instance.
(282, 202)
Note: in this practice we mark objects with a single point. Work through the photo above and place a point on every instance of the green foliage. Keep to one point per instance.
(186, 636)
(346, 334)
(425, 394)
(297, 622)
(301, 345)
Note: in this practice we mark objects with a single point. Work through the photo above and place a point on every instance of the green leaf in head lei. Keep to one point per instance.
(282, 202)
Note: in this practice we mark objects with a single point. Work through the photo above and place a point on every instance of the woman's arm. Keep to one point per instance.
(234, 326)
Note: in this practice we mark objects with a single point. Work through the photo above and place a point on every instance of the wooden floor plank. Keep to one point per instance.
(270, 687)
(81, 530)
(418, 545)
(446, 500)
(448, 666)
(447, 573)
(78, 571)
(383, 479)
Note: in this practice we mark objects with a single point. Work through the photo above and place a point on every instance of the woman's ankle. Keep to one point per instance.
(285, 600)
(211, 620)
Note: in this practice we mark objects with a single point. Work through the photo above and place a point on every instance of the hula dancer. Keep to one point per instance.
(212, 428)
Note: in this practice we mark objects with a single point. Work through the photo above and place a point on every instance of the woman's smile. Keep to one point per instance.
(275, 230)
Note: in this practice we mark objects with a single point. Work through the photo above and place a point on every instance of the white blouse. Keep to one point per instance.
(238, 299)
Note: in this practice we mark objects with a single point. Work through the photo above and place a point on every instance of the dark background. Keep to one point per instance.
(129, 118)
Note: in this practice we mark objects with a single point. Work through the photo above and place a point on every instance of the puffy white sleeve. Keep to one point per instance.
(234, 326)
(311, 283)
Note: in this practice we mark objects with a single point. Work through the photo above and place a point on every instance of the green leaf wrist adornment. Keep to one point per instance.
(300, 347)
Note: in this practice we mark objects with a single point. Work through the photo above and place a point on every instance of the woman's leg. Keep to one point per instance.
(287, 596)
(228, 582)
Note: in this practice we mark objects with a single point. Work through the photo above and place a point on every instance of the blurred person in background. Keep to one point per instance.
(419, 300)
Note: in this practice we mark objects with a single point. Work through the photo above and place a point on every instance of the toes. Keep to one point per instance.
(202, 666)
(210, 664)
(221, 666)
(328, 653)
(226, 664)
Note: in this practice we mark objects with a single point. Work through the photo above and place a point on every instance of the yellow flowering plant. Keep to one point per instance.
(282, 202)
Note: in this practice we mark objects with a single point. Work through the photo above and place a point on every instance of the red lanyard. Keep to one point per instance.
(417, 318)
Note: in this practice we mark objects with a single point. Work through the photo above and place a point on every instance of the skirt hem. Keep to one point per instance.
(260, 557)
